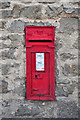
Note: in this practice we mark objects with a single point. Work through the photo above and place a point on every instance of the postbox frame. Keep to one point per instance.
(51, 47)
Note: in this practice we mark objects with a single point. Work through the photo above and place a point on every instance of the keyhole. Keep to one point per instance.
(35, 76)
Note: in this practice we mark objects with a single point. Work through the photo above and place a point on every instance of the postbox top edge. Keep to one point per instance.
(39, 27)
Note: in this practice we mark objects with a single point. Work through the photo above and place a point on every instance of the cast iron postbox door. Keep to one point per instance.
(40, 63)
(40, 74)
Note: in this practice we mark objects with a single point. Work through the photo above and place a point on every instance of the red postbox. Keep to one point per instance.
(40, 62)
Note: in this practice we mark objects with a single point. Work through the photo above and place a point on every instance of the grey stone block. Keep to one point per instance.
(67, 109)
(76, 45)
(35, 111)
(58, 45)
(16, 11)
(65, 56)
(68, 10)
(0, 14)
(4, 86)
(3, 37)
(57, 38)
(73, 11)
(4, 5)
(15, 41)
(2, 45)
(5, 14)
(8, 54)
(20, 91)
(32, 12)
(5, 69)
(2, 24)
(26, 111)
(68, 25)
(17, 26)
(63, 81)
(69, 88)
(16, 65)
(52, 11)
(5, 103)
(70, 70)
(14, 37)
(0, 86)
(60, 91)
(22, 111)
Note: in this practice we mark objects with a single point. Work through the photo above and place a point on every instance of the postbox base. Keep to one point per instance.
(41, 98)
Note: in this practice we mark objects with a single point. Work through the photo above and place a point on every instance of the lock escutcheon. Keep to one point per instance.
(35, 76)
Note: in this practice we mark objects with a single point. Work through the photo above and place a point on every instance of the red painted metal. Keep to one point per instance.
(40, 84)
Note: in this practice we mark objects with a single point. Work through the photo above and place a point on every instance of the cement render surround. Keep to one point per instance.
(14, 16)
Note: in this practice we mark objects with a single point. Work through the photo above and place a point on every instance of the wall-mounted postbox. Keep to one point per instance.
(40, 62)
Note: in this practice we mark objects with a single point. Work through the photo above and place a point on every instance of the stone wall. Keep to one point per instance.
(14, 16)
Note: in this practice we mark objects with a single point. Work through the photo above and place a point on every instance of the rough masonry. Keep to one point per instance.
(14, 16)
